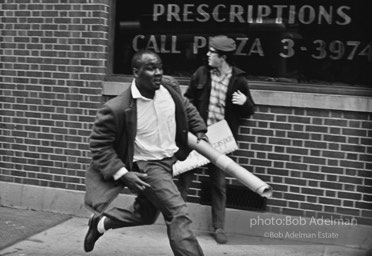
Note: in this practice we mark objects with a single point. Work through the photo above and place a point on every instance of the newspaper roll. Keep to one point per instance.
(227, 165)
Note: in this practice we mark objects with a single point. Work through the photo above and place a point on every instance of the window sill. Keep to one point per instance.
(318, 96)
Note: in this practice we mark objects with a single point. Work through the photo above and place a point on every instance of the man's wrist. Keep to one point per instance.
(204, 137)
(119, 174)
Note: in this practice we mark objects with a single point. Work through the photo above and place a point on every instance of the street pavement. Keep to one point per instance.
(67, 238)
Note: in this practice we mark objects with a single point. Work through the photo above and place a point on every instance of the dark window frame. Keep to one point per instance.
(322, 88)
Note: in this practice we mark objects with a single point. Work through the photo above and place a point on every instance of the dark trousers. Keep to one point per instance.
(218, 192)
(164, 197)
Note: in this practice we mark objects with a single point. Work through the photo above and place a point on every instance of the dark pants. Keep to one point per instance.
(218, 192)
(163, 196)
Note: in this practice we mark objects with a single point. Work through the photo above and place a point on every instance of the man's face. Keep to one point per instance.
(150, 72)
(214, 59)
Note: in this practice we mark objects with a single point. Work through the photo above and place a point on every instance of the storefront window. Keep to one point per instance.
(313, 41)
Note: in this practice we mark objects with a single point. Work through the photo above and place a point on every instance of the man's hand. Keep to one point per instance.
(239, 98)
(201, 136)
(133, 180)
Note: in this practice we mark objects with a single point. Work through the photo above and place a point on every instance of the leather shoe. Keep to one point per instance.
(92, 234)
(220, 236)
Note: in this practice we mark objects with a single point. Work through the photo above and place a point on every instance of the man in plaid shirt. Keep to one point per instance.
(219, 91)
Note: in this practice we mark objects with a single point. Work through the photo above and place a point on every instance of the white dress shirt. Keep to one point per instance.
(156, 127)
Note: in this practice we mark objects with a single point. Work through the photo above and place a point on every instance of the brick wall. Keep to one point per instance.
(319, 162)
(53, 60)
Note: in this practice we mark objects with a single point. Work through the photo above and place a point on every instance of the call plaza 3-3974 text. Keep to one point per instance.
(318, 49)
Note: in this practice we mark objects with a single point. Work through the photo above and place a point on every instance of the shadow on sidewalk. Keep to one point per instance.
(19, 224)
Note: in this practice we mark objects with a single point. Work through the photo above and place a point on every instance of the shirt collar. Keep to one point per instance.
(135, 92)
(216, 72)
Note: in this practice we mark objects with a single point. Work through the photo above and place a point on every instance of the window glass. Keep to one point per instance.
(313, 41)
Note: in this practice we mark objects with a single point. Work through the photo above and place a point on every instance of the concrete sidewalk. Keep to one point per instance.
(67, 239)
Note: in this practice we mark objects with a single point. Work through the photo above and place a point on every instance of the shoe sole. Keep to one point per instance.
(86, 235)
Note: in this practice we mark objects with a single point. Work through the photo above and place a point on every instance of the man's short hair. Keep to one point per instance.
(137, 57)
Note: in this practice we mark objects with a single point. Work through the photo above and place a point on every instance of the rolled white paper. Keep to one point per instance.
(227, 165)
(220, 138)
